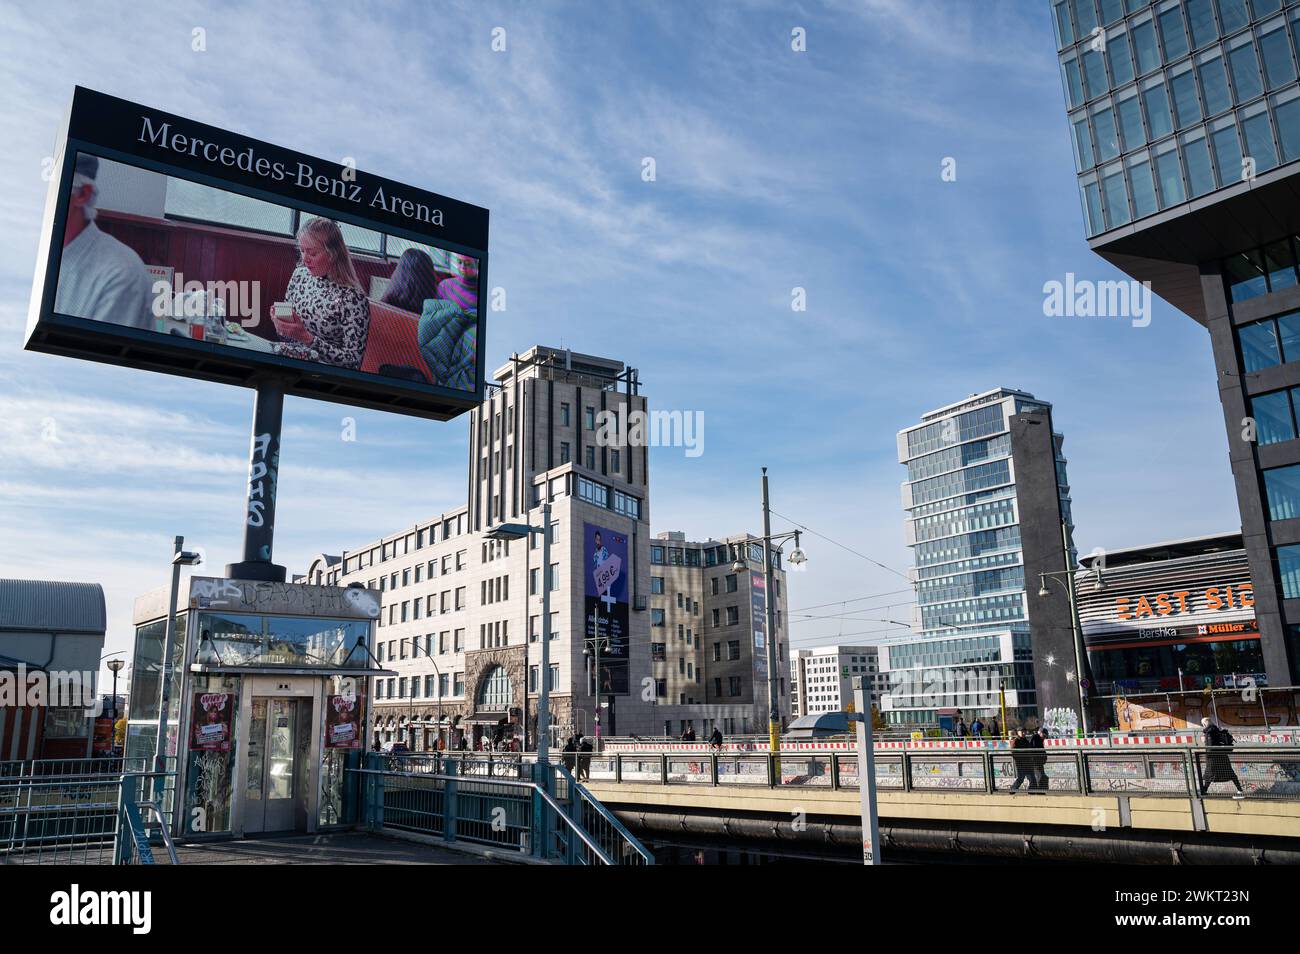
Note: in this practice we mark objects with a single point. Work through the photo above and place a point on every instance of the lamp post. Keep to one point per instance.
(1079, 651)
(180, 557)
(797, 556)
(438, 674)
(592, 646)
(115, 666)
(520, 531)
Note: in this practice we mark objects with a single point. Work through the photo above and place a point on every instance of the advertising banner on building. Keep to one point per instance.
(606, 603)
(758, 612)
(212, 720)
(180, 247)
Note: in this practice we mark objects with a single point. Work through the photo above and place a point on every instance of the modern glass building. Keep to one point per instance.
(988, 508)
(1185, 119)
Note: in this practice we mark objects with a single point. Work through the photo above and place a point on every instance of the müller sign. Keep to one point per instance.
(302, 175)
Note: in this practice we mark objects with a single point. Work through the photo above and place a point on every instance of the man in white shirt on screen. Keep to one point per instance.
(99, 277)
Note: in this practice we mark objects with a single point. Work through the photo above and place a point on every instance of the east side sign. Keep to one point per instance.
(1180, 602)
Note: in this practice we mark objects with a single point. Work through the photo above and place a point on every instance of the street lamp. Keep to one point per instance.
(415, 650)
(1079, 652)
(180, 557)
(519, 531)
(796, 558)
(115, 666)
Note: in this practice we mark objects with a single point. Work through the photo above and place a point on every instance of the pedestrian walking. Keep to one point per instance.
(715, 740)
(962, 731)
(977, 728)
(584, 759)
(1218, 743)
(994, 730)
(1038, 743)
(569, 756)
(1021, 757)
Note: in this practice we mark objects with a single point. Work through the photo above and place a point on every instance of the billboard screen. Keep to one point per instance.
(606, 603)
(183, 248)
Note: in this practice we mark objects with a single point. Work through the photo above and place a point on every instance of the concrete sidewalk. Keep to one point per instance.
(340, 848)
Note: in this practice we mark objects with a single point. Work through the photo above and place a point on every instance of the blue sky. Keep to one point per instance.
(774, 170)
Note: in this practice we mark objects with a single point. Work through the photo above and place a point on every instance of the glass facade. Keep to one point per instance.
(964, 531)
(1173, 99)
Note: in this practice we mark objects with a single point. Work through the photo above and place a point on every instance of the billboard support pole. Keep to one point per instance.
(263, 472)
(866, 770)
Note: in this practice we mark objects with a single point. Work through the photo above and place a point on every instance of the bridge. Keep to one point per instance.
(1120, 800)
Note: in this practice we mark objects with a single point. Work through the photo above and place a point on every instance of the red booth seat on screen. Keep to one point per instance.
(393, 341)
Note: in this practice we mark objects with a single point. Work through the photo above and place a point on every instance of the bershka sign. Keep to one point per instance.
(74, 907)
(175, 141)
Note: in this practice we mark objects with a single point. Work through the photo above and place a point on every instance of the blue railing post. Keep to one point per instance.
(377, 795)
(541, 847)
(449, 806)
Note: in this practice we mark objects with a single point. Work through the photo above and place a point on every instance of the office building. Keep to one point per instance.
(1186, 130)
(708, 652)
(460, 622)
(988, 510)
(822, 678)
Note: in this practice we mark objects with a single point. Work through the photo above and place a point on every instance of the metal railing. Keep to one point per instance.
(71, 811)
(1177, 770)
(505, 803)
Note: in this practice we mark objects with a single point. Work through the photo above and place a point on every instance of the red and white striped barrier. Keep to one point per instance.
(1280, 737)
(1188, 738)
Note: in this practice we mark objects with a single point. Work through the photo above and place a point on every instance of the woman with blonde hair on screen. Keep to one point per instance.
(331, 314)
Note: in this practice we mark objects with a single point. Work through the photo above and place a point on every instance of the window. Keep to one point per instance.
(656, 617)
(1144, 45)
(1269, 342)
(1245, 69)
(591, 457)
(589, 418)
(564, 452)
(1214, 85)
(1275, 51)
(657, 585)
(1283, 488)
(1171, 31)
(554, 577)
(717, 617)
(733, 685)
(713, 586)
(564, 415)
(1288, 566)
(733, 649)
(459, 684)
(495, 692)
(657, 555)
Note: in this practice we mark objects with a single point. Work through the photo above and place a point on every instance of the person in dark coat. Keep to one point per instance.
(584, 759)
(688, 734)
(1218, 758)
(1038, 743)
(715, 740)
(570, 756)
(1021, 758)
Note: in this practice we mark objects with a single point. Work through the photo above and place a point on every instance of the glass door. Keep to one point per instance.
(275, 770)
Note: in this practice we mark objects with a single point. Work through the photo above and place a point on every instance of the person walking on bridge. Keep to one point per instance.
(715, 740)
(1021, 757)
(1218, 758)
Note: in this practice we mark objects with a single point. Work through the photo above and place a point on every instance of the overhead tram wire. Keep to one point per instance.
(854, 599)
(840, 545)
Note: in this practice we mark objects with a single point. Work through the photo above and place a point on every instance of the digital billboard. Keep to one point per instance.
(606, 603)
(178, 247)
